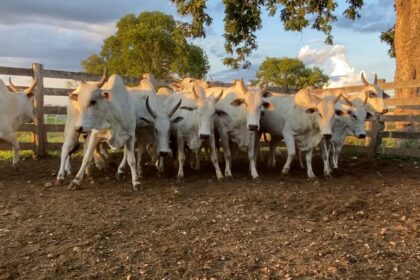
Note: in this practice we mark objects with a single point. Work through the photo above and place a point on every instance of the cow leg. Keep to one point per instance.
(181, 157)
(65, 166)
(87, 158)
(197, 159)
(140, 151)
(336, 153)
(226, 153)
(291, 152)
(272, 154)
(160, 167)
(252, 154)
(300, 159)
(308, 156)
(131, 159)
(213, 157)
(325, 158)
(11, 138)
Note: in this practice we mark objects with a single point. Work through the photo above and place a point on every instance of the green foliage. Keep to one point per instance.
(290, 73)
(151, 42)
(388, 37)
(243, 19)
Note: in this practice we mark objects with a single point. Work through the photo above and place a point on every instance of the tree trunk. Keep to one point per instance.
(407, 52)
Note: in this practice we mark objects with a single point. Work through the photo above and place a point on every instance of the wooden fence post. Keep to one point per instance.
(40, 135)
(377, 128)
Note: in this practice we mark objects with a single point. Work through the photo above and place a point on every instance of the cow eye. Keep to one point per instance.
(93, 103)
(354, 117)
(372, 94)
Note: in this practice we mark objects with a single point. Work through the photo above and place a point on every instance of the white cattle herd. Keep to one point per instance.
(192, 116)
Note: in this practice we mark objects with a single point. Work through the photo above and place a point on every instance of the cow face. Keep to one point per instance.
(354, 116)
(25, 99)
(373, 96)
(93, 104)
(187, 84)
(255, 101)
(161, 122)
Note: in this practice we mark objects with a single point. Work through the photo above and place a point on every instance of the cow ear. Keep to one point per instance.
(146, 120)
(187, 108)
(177, 120)
(268, 106)
(73, 96)
(267, 94)
(175, 86)
(339, 112)
(311, 110)
(106, 95)
(221, 113)
(237, 102)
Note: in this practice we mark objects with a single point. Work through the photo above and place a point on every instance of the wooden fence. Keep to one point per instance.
(39, 128)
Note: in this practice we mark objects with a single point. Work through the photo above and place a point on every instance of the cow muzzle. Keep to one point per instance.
(384, 111)
(361, 136)
(327, 136)
(204, 136)
(163, 154)
(253, 127)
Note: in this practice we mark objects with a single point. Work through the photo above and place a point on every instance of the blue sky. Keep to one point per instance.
(60, 33)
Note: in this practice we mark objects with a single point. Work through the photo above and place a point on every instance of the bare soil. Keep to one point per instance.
(361, 224)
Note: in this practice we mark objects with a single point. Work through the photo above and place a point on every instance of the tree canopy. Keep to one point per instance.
(243, 19)
(290, 73)
(151, 42)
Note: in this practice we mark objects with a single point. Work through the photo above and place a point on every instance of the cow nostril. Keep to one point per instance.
(327, 136)
(79, 129)
(361, 136)
(204, 136)
(163, 154)
(253, 127)
(384, 111)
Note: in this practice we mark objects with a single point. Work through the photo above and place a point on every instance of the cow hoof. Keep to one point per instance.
(255, 177)
(119, 176)
(73, 186)
(180, 179)
(285, 172)
(136, 186)
(229, 177)
(59, 182)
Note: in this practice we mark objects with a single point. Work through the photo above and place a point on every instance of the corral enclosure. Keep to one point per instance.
(360, 224)
(382, 137)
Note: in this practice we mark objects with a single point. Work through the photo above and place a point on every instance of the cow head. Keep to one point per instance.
(205, 108)
(322, 107)
(255, 100)
(161, 122)
(373, 96)
(93, 105)
(354, 116)
(187, 84)
(26, 99)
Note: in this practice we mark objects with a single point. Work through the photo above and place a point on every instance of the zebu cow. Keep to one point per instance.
(109, 115)
(371, 98)
(197, 125)
(238, 120)
(71, 136)
(302, 120)
(152, 125)
(16, 108)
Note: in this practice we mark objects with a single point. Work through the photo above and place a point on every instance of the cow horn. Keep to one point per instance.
(12, 86)
(338, 97)
(195, 93)
(104, 78)
(364, 80)
(348, 102)
(172, 112)
(32, 87)
(375, 80)
(149, 109)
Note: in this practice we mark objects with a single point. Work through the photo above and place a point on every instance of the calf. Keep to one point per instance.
(16, 108)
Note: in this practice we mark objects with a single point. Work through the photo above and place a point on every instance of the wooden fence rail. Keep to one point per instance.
(39, 128)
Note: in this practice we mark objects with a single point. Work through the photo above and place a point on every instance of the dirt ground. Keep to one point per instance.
(361, 224)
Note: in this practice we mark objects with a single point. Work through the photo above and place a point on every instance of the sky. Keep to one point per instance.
(60, 33)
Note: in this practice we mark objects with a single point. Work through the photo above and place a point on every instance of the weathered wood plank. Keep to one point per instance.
(15, 71)
(405, 84)
(79, 76)
(356, 149)
(55, 110)
(412, 101)
(401, 134)
(57, 91)
(408, 152)
(54, 128)
(27, 127)
(400, 118)
(22, 146)
(39, 110)
(53, 146)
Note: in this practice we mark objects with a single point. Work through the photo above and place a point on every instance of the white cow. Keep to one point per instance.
(109, 115)
(16, 108)
(71, 136)
(197, 126)
(238, 120)
(303, 120)
(152, 123)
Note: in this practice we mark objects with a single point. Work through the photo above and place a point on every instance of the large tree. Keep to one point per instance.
(290, 73)
(151, 42)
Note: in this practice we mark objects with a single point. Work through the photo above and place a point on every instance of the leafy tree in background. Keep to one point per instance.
(151, 42)
(290, 73)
